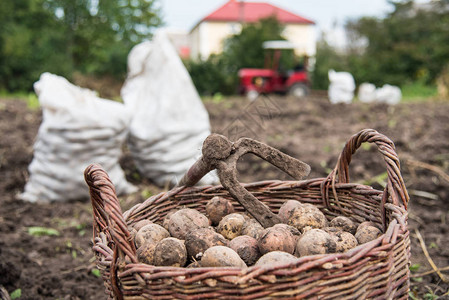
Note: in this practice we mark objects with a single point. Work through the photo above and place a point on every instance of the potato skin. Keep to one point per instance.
(141, 223)
(287, 208)
(367, 233)
(167, 218)
(150, 233)
(296, 233)
(252, 228)
(217, 208)
(185, 220)
(277, 238)
(145, 253)
(247, 248)
(343, 223)
(170, 252)
(231, 225)
(307, 215)
(198, 241)
(276, 257)
(221, 256)
(315, 241)
(344, 240)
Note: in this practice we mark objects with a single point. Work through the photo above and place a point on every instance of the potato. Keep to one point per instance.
(221, 256)
(307, 215)
(344, 240)
(276, 257)
(150, 233)
(185, 220)
(198, 241)
(365, 224)
(296, 233)
(231, 225)
(247, 248)
(366, 233)
(167, 218)
(344, 224)
(315, 241)
(217, 208)
(170, 252)
(287, 208)
(277, 238)
(145, 253)
(252, 228)
(141, 223)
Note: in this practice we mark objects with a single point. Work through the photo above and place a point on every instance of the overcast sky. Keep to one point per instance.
(184, 14)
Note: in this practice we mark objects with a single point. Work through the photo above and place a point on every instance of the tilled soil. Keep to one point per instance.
(311, 129)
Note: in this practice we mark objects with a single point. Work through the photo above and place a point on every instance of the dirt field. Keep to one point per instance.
(313, 130)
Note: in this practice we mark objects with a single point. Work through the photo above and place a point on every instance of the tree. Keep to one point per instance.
(64, 36)
(409, 44)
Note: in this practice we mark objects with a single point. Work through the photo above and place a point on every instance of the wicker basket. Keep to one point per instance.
(376, 270)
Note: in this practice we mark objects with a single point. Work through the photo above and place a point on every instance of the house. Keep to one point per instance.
(208, 34)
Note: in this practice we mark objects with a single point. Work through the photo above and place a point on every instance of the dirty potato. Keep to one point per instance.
(185, 220)
(343, 223)
(221, 256)
(150, 233)
(315, 241)
(217, 208)
(366, 233)
(276, 257)
(252, 228)
(231, 225)
(247, 248)
(344, 240)
(287, 208)
(198, 241)
(307, 215)
(167, 218)
(141, 223)
(170, 252)
(277, 238)
(145, 253)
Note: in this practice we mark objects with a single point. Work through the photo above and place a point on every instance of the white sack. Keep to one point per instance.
(367, 92)
(77, 129)
(169, 121)
(341, 87)
(388, 94)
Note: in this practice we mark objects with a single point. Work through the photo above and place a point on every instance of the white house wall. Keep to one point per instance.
(208, 37)
(303, 36)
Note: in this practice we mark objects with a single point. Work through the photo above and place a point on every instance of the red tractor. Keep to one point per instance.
(272, 79)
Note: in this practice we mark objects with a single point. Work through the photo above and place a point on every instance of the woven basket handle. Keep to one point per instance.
(108, 216)
(395, 184)
(221, 154)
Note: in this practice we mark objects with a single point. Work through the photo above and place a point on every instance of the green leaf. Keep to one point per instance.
(430, 296)
(433, 245)
(412, 295)
(16, 294)
(414, 267)
(41, 231)
(96, 272)
(417, 279)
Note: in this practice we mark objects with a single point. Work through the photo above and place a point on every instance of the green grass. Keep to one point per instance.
(418, 91)
(30, 98)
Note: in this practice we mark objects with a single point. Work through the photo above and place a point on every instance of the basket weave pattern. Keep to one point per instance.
(376, 270)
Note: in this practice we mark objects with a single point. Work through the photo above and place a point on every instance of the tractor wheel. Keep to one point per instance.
(298, 90)
(252, 95)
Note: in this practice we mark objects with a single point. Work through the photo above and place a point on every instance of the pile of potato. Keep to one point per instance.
(224, 238)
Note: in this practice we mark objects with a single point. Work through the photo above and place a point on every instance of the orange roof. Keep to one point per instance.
(248, 12)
